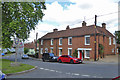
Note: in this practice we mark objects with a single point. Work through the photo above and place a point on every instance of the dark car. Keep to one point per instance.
(49, 57)
(70, 59)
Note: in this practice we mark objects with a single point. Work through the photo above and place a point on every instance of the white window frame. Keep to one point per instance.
(69, 40)
(51, 48)
(117, 50)
(41, 51)
(109, 40)
(46, 49)
(85, 39)
(68, 51)
(59, 51)
(51, 41)
(59, 41)
(85, 53)
(41, 42)
(113, 40)
(113, 50)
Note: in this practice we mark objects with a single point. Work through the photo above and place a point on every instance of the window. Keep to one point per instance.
(109, 40)
(87, 40)
(60, 41)
(69, 40)
(60, 51)
(70, 51)
(46, 50)
(51, 41)
(113, 50)
(41, 51)
(117, 50)
(87, 54)
(113, 40)
(41, 42)
(51, 49)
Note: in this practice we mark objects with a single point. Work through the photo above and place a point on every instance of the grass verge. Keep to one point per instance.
(10, 66)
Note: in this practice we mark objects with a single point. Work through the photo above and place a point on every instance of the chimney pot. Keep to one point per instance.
(84, 23)
(104, 25)
(68, 27)
(55, 30)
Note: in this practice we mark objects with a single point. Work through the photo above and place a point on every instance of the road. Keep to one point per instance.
(66, 70)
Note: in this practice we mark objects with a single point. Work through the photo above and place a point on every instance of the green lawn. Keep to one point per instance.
(8, 68)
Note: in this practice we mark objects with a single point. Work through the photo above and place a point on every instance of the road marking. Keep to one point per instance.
(52, 70)
(46, 69)
(41, 68)
(68, 73)
(86, 75)
(75, 74)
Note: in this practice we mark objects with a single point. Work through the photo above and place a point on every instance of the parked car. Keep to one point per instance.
(70, 59)
(2, 76)
(2, 54)
(25, 56)
(49, 57)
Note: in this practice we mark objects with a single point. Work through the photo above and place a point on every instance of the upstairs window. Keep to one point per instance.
(109, 40)
(41, 42)
(69, 40)
(87, 40)
(51, 41)
(113, 40)
(60, 41)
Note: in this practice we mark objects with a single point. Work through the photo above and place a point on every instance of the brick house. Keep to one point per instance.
(81, 38)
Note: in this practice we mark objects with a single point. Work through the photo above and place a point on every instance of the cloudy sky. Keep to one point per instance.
(72, 12)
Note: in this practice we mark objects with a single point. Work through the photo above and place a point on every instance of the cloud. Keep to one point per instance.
(59, 16)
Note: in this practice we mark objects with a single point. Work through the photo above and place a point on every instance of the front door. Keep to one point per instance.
(80, 54)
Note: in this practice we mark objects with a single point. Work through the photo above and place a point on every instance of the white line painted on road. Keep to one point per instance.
(75, 74)
(68, 73)
(52, 70)
(41, 68)
(46, 69)
(86, 75)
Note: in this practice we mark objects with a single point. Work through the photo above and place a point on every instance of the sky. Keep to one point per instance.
(60, 13)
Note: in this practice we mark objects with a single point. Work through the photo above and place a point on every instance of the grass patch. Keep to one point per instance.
(7, 67)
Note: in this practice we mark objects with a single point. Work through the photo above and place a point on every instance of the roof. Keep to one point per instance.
(79, 31)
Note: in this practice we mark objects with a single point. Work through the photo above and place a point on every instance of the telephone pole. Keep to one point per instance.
(95, 36)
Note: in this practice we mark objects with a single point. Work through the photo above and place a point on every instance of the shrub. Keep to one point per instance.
(26, 50)
(75, 54)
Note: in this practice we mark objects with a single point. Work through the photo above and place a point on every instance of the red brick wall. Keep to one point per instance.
(79, 42)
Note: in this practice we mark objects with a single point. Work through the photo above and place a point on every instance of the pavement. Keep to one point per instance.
(109, 59)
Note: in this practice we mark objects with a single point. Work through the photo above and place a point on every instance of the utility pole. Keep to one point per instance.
(95, 36)
(36, 45)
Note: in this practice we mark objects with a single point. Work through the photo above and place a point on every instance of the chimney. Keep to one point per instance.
(84, 24)
(67, 27)
(104, 25)
(55, 30)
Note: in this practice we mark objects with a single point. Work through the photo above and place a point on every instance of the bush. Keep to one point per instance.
(26, 50)
(75, 54)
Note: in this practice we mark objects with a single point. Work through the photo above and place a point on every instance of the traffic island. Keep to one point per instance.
(10, 67)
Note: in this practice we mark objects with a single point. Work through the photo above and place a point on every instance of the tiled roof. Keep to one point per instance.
(79, 31)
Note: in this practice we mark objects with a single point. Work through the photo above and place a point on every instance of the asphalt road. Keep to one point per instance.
(66, 70)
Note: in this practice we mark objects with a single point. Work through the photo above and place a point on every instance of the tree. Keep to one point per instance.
(117, 34)
(19, 18)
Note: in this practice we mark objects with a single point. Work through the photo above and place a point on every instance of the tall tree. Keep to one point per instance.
(117, 34)
(19, 18)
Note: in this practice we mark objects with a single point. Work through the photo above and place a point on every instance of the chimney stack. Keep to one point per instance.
(84, 23)
(55, 30)
(104, 25)
(67, 27)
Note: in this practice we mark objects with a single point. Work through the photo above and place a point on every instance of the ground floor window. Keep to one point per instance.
(41, 51)
(60, 52)
(117, 50)
(70, 51)
(87, 53)
(51, 50)
(46, 50)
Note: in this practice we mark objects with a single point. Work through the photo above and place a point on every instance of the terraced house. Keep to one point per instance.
(81, 38)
